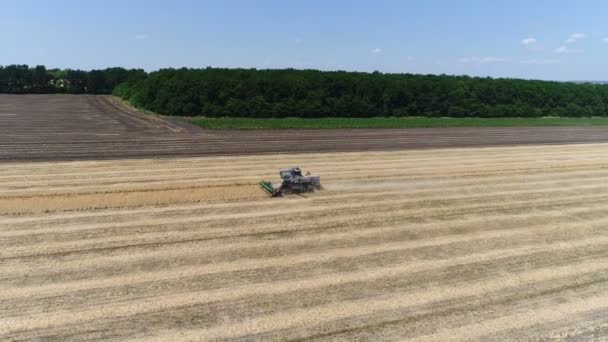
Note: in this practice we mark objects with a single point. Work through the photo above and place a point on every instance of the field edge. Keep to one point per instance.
(389, 122)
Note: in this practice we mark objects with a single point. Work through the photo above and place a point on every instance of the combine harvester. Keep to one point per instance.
(292, 182)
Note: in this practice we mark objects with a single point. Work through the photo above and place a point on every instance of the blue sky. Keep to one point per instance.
(558, 40)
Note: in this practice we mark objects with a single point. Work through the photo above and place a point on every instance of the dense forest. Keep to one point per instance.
(309, 93)
(215, 92)
(22, 79)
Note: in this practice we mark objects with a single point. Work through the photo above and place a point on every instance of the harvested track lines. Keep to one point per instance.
(349, 249)
(147, 229)
(78, 268)
(18, 188)
(424, 245)
(595, 266)
(396, 301)
(321, 204)
(495, 252)
(398, 213)
(70, 198)
(318, 160)
(557, 313)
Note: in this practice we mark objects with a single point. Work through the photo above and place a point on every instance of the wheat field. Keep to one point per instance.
(501, 243)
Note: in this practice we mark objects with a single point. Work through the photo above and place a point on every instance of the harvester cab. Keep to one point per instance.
(292, 181)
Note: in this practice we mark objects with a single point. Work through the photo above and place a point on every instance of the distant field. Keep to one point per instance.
(412, 122)
(70, 127)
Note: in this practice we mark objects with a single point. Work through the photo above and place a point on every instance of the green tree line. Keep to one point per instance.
(251, 93)
(214, 92)
(22, 79)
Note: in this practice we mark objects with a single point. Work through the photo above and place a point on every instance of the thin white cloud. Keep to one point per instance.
(482, 60)
(529, 41)
(605, 40)
(540, 61)
(141, 36)
(376, 51)
(562, 50)
(575, 37)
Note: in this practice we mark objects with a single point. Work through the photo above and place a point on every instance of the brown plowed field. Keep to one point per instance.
(499, 243)
(64, 127)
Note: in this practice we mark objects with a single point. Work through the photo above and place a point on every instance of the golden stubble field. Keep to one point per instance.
(503, 243)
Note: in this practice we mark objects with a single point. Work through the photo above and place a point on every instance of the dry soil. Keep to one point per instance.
(501, 243)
